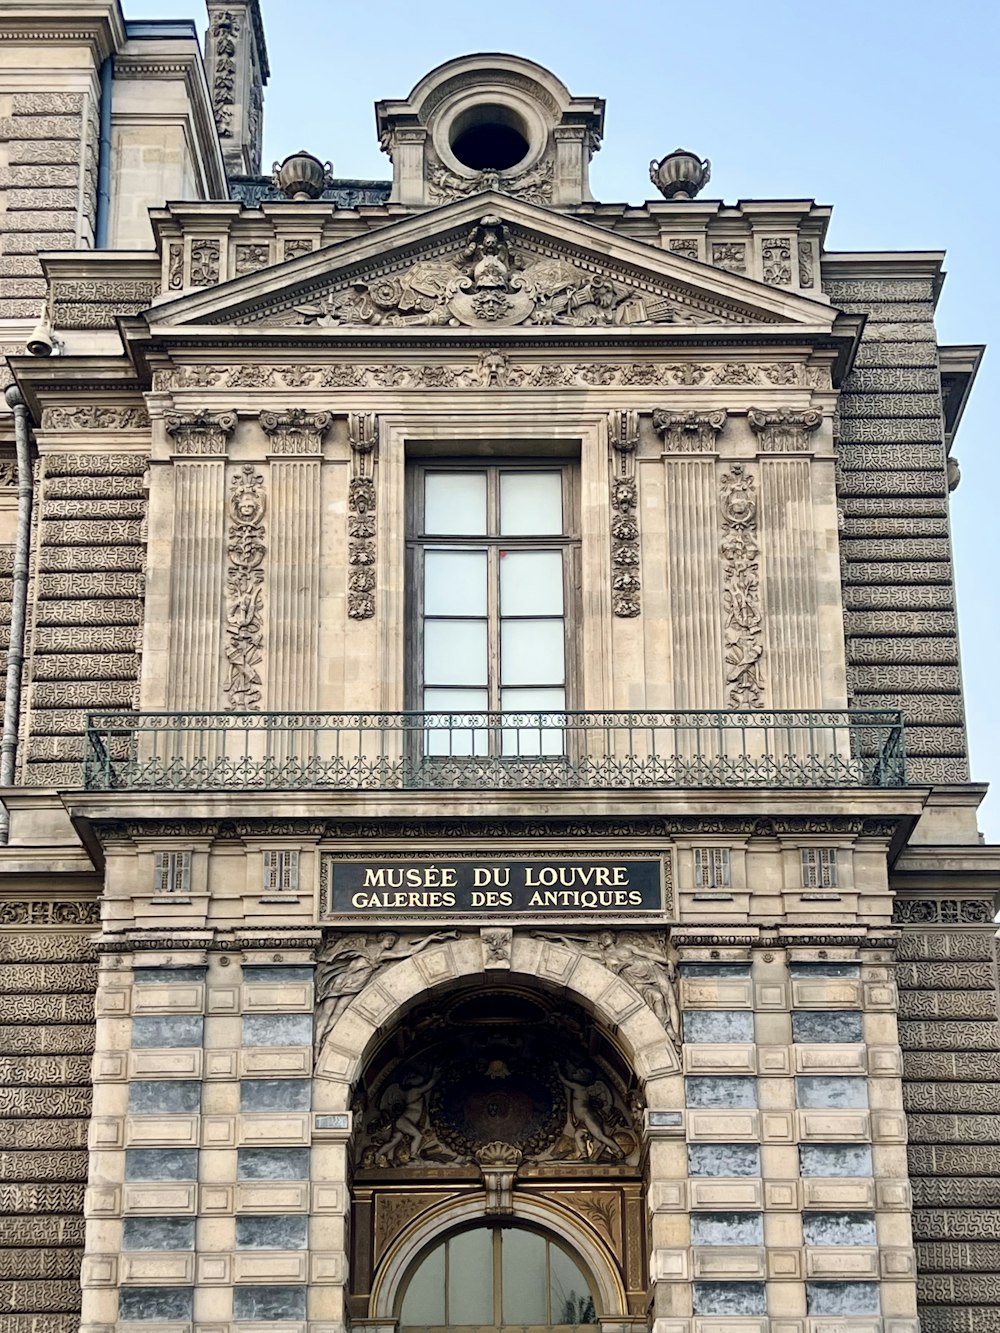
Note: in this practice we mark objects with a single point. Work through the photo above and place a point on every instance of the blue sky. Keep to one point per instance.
(887, 109)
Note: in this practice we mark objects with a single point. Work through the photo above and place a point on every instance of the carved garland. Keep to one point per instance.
(626, 583)
(741, 589)
(361, 523)
(244, 590)
(224, 30)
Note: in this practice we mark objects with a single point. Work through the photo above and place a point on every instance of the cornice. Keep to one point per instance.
(97, 23)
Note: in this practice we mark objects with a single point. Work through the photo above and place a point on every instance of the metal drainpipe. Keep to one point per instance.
(19, 599)
(104, 156)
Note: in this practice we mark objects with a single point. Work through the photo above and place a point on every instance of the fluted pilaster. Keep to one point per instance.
(197, 616)
(293, 578)
(694, 581)
(789, 583)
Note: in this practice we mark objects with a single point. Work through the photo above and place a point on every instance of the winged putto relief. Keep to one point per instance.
(492, 285)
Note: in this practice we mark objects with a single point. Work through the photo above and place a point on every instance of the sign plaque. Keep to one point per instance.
(487, 887)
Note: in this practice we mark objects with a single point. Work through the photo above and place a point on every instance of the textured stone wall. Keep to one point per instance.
(951, 1069)
(50, 199)
(85, 617)
(899, 602)
(47, 985)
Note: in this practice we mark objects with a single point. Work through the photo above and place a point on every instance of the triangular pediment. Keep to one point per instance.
(491, 263)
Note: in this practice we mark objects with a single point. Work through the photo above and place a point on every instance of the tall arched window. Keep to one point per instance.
(495, 1278)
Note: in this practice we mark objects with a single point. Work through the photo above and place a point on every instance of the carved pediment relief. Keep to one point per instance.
(499, 278)
(491, 262)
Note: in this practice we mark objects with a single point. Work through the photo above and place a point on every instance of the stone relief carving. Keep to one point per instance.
(784, 432)
(201, 433)
(730, 255)
(686, 246)
(533, 186)
(245, 590)
(34, 913)
(776, 257)
(362, 522)
(223, 32)
(297, 246)
(347, 963)
(499, 279)
(250, 257)
(744, 640)
(205, 263)
(175, 267)
(493, 370)
(296, 432)
(499, 1095)
(688, 432)
(805, 264)
(626, 581)
(92, 417)
(643, 959)
(943, 911)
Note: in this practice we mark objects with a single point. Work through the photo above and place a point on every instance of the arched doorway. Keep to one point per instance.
(497, 1178)
(496, 1278)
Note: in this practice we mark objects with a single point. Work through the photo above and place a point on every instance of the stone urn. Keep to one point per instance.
(680, 174)
(302, 176)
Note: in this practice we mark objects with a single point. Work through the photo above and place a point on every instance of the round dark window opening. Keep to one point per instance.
(489, 137)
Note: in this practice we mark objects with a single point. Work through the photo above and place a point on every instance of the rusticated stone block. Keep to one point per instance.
(55, 559)
(956, 1192)
(948, 1004)
(944, 1036)
(93, 584)
(41, 1199)
(905, 679)
(34, 242)
(85, 639)
(46, 1008)
(904, 649)
(860, 506)
(26, 1297)
(30, 1070)
(29, 1231)
(965, 944)
(889, 380)
(32, 289)
(902, 571)
(86, 666)
(943, 1256)
(39, 1263)
(945, 976)
(904, 354)
(895, 331)
(944, 1066)
(87, 488)
(20, 199)
(950, 1097)
(901, 623)
(95, 695)
(94, 465)
(28, 1103)
(43, 1133)
(96, 510)
(29, 978)
(953, 1128)
(881, 289)
(52, 775)
(881, 405)
(927, 772)
(972, 1319)
(857, 430)
(897, 548)
(46, 104)
(34, 177)
(956, 1224)
(885, 311)
(952, 1160)
(22, 1040)
(27, 308)
(108, 611)
(38, 220)
(906, 597)
(91, 532)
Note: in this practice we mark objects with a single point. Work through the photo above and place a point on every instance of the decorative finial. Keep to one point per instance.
(302, 176)
(680, 174)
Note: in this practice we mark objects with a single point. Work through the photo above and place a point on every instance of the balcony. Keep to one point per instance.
(565, 751)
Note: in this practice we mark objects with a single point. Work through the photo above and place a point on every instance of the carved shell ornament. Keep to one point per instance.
(490, 285)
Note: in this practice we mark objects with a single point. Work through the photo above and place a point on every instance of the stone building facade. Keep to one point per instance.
(489, 837)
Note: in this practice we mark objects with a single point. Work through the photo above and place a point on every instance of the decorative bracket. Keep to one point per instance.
(626, 582)
(688, 432)
(362, 430)
(499, 1162)
(783, 432)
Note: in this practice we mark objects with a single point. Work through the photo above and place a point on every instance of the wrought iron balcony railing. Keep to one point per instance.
(492, 751)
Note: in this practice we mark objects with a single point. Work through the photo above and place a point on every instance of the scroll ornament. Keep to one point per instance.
(202, 433)
(744, 645)
(784, 432)
(297, 432)
(244, 590)
(688, 432)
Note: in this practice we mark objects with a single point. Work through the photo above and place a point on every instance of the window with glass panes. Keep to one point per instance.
(492, 566)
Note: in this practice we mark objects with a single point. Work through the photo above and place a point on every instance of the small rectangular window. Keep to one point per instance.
(711, 868)
(281, 872)
(172, 874)
(819, 867)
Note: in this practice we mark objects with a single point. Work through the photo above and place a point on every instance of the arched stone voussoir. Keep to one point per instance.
(557, 965)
